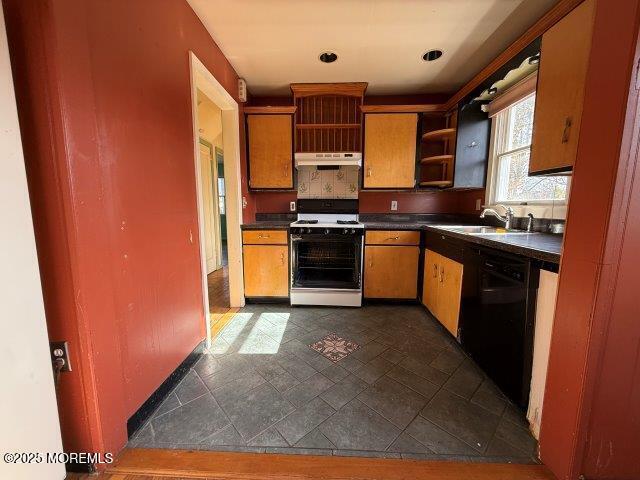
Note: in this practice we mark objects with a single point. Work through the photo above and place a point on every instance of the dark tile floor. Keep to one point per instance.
(409, 391)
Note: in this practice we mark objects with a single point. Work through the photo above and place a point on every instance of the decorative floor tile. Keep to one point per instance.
(334, 348)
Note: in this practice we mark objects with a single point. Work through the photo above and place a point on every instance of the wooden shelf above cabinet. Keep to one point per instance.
(327, 125)
(439, 135)
(436, 160)
(287, 109)
(437, 183)
(424, 108)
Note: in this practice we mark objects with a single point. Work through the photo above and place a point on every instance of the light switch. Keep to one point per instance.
(478, 203)
(394, 205)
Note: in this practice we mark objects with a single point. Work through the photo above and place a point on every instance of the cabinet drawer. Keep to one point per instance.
(392, 237)
(264, 237)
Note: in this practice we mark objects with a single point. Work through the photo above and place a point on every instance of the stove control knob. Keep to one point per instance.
(308, 230)
(353, 230)
(327, 231)
(345, 231)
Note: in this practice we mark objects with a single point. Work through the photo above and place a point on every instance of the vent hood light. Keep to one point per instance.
(321, 159)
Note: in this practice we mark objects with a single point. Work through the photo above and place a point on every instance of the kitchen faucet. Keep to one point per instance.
(507, 219)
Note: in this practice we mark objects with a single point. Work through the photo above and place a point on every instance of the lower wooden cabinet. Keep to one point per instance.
(265, 263)
(391, 271)
(441, 290)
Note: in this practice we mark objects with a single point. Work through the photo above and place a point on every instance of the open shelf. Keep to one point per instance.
(439, 135)
(327, 125)
(437, 183)
(436, 160)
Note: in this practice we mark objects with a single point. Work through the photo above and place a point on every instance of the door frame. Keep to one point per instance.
(202, 79)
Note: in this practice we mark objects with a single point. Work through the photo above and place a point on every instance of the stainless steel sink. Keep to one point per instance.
(482, 230)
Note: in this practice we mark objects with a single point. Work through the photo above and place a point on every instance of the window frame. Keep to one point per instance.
(499, 139)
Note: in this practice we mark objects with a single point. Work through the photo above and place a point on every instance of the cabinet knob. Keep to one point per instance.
(282, 257)
(393, 238)
(260, 235)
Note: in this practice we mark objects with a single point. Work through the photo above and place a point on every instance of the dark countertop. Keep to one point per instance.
(541, 246)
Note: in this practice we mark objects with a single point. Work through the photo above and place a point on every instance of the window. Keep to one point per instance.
(221, 195)
(512, 146)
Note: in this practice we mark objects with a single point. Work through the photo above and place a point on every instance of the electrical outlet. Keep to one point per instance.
(292, 206)
(244, 202)
(478, 203)
(394, 205)
(60, 351)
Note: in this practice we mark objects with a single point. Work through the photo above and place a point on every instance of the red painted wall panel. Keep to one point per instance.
(587, 269)
(113, 187)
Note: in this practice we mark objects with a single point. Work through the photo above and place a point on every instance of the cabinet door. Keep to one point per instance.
(266, 270)
(430, 281)
(270, 147)
(391, 272)
(450, 288)
(560, 91)
(390, 150)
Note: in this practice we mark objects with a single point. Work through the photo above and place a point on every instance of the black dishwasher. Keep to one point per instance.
(498, 318)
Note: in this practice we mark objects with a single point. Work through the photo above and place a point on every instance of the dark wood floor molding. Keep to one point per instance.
(144, 412)
(263, 466)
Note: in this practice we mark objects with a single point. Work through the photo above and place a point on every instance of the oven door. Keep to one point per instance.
(330, 261)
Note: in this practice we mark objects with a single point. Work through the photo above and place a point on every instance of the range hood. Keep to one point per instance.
(328, 159)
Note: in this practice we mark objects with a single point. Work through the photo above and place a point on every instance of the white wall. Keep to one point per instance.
(28, 411)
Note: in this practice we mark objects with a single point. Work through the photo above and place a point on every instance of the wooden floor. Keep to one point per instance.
(220, 312)
(147, 464)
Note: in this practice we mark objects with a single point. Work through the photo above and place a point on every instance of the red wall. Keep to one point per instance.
(591, 416)
(104, 96)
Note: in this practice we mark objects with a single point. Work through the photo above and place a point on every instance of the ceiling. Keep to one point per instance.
(272, 43)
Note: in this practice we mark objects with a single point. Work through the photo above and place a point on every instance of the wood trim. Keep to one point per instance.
(261, 466)
(548, 20)
(270, 110)
(424, 108)
(520, 90)
(352, 89)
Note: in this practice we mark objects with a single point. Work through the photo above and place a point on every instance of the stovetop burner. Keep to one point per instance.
(306, 222)
(348, 222)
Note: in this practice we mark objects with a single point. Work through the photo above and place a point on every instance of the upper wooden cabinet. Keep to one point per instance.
(560, 92)
(442, 288)
(390, 150)
(270, 151)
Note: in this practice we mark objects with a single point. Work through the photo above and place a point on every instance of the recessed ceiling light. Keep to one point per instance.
(328, 57)
(432, 55)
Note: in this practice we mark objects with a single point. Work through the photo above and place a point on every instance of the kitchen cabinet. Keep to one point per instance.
(390, 150)
(391, 259)
(270, 147)
(560, 92)
(391, 271)
(265, 263)
(442, 286)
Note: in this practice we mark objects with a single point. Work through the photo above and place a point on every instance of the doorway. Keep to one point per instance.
(217, 158)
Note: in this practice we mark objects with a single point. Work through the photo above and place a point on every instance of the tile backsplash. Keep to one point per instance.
(340, 183)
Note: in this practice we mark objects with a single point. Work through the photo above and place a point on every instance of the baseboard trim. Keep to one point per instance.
(185, 464)
(141, 415)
